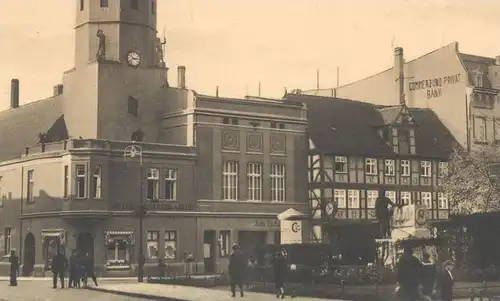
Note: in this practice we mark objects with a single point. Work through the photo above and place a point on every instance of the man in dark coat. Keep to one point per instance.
(446, 282)
(58, 267)
(14, 267)
(280, 267)
(409, 275)
(237, 267)
(88, 267)
(383, 213)
(428, 275)
(74, 270)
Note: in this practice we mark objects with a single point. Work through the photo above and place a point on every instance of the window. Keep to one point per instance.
(277, 125)
(406, 197)
(104, 3)
(230, 181)
(426, 198)
(96, 182)
(66, 181)
(405, 168)
(391, 195)
(153, 182)
(340, 164)
(371, 198)
(118, 252)
(277, 183)
(30, 187)
(134, 4)
(479, 80)
(339, 196)
(170, 245)
(254, 181)
(371, 166)
(133, 106)
(153, 7)
(443, 169)
(480, 128)
(425, 168)
(82, 5)
(389, 167)
(442, 201)
(7, 240)
(171, 184)
(224, 243)
(80, 181)
(152, 242)
(281, 126)
(353, 199)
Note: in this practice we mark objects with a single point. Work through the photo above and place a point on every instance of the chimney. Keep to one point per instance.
(217, 91)
(497, 60)
(181, 77)
(14, 93)
(58, 90)
(399, 69)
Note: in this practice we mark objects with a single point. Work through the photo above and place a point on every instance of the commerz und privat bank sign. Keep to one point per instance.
(434, 85)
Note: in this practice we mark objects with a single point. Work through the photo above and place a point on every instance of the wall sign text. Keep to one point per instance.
(434, 86)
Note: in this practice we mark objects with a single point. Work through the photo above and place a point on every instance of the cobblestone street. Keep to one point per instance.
(31, 290)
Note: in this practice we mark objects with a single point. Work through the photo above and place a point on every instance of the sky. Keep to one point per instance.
(235, 44)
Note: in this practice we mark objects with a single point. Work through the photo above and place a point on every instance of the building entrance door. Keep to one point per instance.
(209, 249)
(29, 254)
(249, 241)
(85, 244)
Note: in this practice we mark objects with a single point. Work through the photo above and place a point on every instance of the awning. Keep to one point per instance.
(54, 233)
(111, 236)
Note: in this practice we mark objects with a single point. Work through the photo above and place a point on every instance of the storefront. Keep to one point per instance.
(53, 240)
(119, 249)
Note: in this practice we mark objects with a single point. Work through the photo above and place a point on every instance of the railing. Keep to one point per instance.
(105, 145)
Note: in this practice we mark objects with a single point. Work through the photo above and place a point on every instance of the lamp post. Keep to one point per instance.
(133, 151)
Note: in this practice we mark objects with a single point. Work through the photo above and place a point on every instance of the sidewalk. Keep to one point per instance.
(181, 293)
(120, 279)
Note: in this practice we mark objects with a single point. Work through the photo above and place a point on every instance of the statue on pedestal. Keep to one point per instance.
(101, 50)
(384, 214)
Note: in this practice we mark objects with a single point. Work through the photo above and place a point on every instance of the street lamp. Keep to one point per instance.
(132, 151)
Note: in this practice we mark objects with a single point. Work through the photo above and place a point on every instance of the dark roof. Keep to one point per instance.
(20, 127)
(348, 127)
(475, 62)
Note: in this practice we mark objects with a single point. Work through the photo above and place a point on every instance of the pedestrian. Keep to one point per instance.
(383, 214)
(280, 268)
(58, 267)
(14, 267)
(88, 267)
(446, 281)
(409, 275)
(74, 270)
(237, 267)
(428, 275)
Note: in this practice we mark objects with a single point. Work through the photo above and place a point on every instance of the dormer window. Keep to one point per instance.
(386, 134)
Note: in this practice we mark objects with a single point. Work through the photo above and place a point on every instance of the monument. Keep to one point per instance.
(292, 230)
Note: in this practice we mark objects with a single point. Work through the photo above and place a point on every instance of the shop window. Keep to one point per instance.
(7, 239)
(118, 249)
(225, 243)
(170, 245)
(153, 242)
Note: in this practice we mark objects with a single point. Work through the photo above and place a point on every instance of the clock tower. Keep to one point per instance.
(118, 57)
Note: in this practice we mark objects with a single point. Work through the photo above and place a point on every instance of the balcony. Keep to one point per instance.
(153, 206)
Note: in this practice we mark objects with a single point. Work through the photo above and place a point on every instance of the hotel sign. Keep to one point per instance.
(434, 86)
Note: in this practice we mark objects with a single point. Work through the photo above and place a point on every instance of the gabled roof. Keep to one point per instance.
(348, 127)
(20, 127)
(474, 63)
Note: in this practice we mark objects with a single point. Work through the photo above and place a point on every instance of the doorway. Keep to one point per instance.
(85, 244)
(249, 242)
(209, 249)
(29, 255)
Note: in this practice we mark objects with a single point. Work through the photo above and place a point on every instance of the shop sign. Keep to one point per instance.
(434, 86)
(410, 216)
(291, 232)
(270, 223)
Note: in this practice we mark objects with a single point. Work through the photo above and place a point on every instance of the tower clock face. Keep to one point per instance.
(133, 59)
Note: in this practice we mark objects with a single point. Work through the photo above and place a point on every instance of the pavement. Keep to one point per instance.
(181, 293)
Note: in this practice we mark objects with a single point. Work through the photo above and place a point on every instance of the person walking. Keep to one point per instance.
(74, 270)
(409, 275)
(280, 268)
(14, 267)
(428, 275)
(58, 267)
(446, 281)
(88, 267)
(237, 267)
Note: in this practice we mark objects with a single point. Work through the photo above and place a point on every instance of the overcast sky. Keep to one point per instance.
(237, 43)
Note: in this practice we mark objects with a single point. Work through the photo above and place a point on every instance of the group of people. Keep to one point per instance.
(239, 267)
(81, 267)
(419, 280)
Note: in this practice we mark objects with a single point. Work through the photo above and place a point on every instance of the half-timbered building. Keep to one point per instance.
(358, 149)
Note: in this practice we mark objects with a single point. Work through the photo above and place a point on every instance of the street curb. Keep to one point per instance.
(133, 295)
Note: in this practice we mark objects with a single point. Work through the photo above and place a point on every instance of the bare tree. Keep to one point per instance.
(472, 182)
